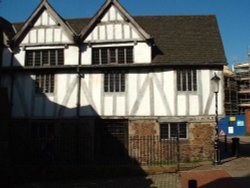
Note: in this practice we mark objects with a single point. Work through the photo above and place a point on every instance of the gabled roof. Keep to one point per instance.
(105, 7)
(7, 31)
(177, 40)
(44, 5)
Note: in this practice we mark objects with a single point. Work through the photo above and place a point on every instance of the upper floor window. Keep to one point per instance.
(172, 130)
(114, 82)
(45, 83)
(112, 55)
(187, 80)
(44, 57)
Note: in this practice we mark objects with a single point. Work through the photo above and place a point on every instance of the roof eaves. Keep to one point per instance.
(85, 31)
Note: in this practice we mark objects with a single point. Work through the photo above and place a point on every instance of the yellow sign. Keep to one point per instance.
(232, 118)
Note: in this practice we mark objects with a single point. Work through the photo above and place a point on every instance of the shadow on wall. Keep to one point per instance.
(59, 148)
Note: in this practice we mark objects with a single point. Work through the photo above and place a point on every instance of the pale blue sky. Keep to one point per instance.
(233, 15)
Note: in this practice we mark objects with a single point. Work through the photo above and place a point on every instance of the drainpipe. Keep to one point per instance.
(10, 152)
(78, 104)
(11, 80)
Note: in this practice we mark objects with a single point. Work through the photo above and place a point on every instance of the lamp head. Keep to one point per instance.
(216, 83)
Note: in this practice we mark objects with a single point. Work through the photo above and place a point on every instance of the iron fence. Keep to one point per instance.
(139, 150)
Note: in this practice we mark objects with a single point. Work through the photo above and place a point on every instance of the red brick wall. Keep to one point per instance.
(145, 143)
(247, 114)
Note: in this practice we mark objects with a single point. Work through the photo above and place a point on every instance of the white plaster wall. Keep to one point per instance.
(181, 102)
(6, 57)
(193, 105)
(102, 32)
(57, 35)
(86, 55)
(144, 108)
(71, 55)
(41, 35)
(111, 30)
(92, 94)
(33, 36)
(38, 108)
(205, 79)
(26, 39)
(118, 31)
(49, 35)
(169, 88)
(133, 84)
(142, 53)
(46, 35)
(95, 90)
(120, 105)
(19, 58)
(108, 105)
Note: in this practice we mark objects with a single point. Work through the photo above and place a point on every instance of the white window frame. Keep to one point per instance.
(169, 130)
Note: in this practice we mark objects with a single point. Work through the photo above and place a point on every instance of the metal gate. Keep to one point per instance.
(112, 141)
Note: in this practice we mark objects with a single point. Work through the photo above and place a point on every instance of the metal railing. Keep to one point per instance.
(139, 150)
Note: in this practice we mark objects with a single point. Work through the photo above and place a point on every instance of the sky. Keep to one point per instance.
(233, 16)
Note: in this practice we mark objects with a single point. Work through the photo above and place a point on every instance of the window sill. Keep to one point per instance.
(187, 92)
(114, 93)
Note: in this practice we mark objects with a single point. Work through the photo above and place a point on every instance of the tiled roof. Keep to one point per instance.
(185, 39)
(180, 40)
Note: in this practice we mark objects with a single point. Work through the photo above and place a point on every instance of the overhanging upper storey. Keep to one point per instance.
(112, 23)
(44, 27)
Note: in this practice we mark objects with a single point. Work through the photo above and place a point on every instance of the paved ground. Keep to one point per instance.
(169, 180)
(234, 173)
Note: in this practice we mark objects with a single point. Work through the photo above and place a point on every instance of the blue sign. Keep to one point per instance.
(233, 125)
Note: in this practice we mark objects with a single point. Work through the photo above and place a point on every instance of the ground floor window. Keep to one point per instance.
(171, 130)
(45, 83)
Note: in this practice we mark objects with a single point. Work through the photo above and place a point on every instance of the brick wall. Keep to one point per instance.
(247, 115)
(146, 145)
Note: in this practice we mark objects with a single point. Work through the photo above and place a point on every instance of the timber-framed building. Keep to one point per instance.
(115, 74)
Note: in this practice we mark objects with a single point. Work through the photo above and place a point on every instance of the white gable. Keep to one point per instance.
(113, 27)
(46, 31)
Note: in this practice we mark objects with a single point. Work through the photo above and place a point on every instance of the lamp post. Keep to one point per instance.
(216, 84)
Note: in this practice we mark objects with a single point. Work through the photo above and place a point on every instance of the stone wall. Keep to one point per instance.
(144, 128)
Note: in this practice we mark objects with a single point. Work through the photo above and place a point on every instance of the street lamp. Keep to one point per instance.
(216, 84)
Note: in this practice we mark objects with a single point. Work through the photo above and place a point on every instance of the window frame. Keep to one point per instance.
(112, 55)
(186, 80)
(110, 84)
(168, 126)
(38, 57)
(45, 84)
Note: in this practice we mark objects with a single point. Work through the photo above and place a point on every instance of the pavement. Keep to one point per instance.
(232, 173)
(165, 180)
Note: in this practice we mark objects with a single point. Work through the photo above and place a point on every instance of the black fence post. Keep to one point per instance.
(178, 148)
(192, 184)
(235, 146)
